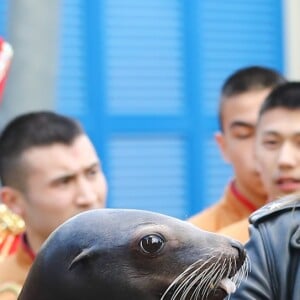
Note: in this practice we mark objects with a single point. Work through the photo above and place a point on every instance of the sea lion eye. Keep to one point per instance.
(152, 243)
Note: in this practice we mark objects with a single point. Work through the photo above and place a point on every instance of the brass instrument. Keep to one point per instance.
(10, 226)
(9, 221)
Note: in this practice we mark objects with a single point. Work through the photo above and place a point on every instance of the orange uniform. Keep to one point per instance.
(15, 256)
(232, 208)
(238, 230)
(14, 268)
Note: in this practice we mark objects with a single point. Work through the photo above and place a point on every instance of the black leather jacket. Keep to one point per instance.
(274, 252)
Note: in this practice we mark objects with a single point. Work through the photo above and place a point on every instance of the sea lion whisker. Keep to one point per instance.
(186, 276)
(210, 285)
(191, 284)
(228, 266)
(219, 275)
(239, 277)
(181, 279)
(207, 283)
(204, 285)
(223, 270)
(183, 286)
(242, 273)
(233, 263)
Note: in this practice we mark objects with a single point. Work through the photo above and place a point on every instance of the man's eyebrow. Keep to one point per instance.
(58, 178)
(95, 164)
(276, 133)
(241, 124)
(70, 175)
(270, 132)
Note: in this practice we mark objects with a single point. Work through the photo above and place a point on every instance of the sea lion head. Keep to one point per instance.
(133, 254)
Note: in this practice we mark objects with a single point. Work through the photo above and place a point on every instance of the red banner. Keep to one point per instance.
(6, 53)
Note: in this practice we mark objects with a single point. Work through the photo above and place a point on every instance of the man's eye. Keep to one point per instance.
(270, 143)
(93, 171)
(242, 133)
(244, 136)
(63, 181)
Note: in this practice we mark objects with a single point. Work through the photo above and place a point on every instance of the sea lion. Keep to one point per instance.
(120, 254)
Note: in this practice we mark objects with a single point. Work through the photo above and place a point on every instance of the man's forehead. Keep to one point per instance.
(279, 121)
(60, 156)
(253, 98)
(80, 142)
(280, 131)
(241, 110)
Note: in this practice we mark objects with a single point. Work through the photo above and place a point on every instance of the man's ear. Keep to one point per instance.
(221, 142)
(13, 199)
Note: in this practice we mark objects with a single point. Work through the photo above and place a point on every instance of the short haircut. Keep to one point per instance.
(285, 96)
(34, 129)
(248, 79)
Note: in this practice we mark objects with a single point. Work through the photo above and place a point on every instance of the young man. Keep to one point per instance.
(277, 158)
(274, 245)
(50, 172)
(241, 97)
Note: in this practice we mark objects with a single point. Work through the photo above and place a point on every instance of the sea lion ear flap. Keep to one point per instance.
(82, 256)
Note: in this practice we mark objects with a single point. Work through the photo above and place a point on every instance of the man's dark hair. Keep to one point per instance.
(285, 96)
(35, 129)
(248, 79)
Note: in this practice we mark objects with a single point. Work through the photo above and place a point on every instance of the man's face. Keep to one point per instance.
(277, 149)
(239, 116)
(62, 181)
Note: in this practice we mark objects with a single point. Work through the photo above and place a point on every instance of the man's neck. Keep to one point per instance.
(255, 200)
(32, 243)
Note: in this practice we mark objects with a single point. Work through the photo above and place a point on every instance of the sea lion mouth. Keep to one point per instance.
(228, 285)
(213, 279)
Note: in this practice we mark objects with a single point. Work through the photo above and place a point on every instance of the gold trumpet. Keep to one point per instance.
(10, 226)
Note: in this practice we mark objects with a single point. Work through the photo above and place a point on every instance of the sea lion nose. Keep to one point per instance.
(240, 248)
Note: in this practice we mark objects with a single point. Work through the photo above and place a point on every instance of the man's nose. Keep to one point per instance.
(287, 156)
(85, 193)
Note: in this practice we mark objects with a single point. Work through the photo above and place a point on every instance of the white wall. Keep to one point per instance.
(292, 38)
(33, 33)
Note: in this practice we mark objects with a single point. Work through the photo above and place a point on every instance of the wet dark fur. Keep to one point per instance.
(130, 254)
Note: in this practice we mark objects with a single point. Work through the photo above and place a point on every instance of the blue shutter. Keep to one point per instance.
(144, 57)
(235, 34)
(144, 78)
(72, 79)
(143, 53)
(147, 172)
